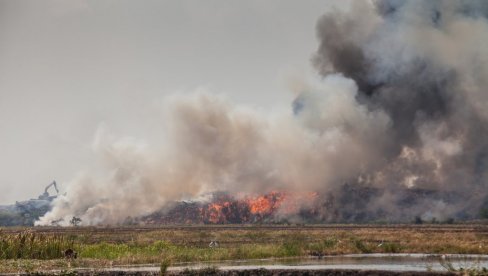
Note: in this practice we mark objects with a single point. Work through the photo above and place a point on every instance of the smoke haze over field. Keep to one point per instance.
(68, 66)
(400, 104)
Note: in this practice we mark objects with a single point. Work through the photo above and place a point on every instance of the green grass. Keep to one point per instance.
(322, 246)
(392, 247)
(177, 253)
(361, 246)
(164, 267)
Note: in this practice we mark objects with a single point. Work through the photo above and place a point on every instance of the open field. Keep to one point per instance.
(39, 248)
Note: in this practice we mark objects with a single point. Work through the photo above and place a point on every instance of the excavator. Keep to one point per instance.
(46, 195)
(28, 211)
(33, 208)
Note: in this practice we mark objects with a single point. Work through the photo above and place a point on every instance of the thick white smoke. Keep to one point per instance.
(213, 145)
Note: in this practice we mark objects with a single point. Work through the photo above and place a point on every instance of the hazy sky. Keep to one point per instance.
(68, 66)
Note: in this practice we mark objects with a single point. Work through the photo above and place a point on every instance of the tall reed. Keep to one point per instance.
(30, 245)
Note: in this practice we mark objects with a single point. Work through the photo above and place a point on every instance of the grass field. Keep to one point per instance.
(32, 249)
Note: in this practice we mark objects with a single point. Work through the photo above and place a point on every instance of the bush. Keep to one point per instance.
(391, 247)
(484, 213)
(362, 247)
(330, 243)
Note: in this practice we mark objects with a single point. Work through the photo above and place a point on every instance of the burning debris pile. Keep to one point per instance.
(226, 209)
(399, 111)
(349, 205)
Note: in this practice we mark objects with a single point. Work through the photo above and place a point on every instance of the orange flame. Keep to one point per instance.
(215, 213)
(225, 209)
(266, 203)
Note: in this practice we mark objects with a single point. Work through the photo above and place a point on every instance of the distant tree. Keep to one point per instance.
(449, 221)
(484, 213)
(75, 221)
(418, 220)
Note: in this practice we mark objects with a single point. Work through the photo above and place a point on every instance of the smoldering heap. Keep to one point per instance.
(223, 208)
(399, 113)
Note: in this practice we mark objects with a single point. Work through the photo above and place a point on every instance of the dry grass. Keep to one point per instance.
(100, 247)
(30, 245)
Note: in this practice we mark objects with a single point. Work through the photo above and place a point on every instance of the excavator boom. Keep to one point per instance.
(49, 186)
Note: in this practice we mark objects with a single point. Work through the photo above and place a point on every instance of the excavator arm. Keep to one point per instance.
(50, 185)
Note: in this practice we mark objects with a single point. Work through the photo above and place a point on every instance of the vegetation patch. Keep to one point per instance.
(38, 249)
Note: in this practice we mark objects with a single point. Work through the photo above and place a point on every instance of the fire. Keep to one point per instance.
(214, 211)
(266, 203)
(249, 209)
(224, 208)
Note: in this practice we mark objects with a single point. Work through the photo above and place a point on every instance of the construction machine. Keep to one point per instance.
(46, 195)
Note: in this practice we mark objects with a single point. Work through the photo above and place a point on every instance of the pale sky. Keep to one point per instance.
(68, 66)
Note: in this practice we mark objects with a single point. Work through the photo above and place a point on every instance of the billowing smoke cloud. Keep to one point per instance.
(400, 106)
(424, 65)
(213, 146)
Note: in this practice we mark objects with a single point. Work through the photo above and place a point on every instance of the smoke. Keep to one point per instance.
(400, 106)
(424, 65)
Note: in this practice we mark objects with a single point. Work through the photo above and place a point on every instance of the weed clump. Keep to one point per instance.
(30, 245)
(391, 247)
(164, 267)
(361, 246)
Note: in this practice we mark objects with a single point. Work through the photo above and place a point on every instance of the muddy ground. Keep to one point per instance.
(261, 272)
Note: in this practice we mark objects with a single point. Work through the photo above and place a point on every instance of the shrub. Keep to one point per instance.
(361, 246)
(391, 247)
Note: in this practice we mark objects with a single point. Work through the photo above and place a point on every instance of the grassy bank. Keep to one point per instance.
(41, 248)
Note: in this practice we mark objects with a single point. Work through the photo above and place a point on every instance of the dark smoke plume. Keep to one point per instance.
(423, 64)
(396, 127)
